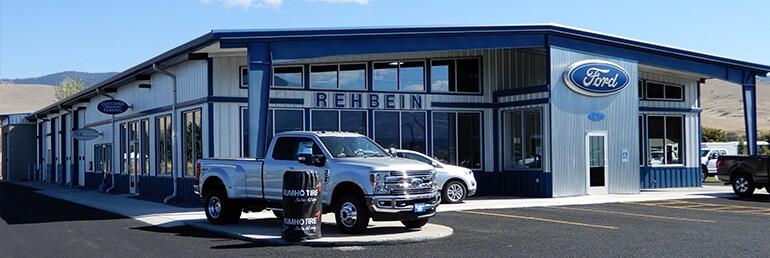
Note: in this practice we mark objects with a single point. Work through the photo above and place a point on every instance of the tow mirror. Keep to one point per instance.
(305, 156)
(392, 151)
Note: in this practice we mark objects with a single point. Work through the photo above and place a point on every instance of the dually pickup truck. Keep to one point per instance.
(744, 173)
(360, 181)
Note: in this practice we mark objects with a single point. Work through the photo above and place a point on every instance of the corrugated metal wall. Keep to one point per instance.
(569, 112)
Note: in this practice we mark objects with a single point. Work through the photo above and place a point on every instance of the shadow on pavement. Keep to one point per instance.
(756, 197)
(22, 205)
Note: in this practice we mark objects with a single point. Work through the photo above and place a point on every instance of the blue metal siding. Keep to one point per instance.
(185, 194)
(93, 180)
(154, 188)
(528, 183)
(668, 177)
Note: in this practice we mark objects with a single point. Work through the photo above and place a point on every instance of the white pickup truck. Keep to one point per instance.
(360, 181)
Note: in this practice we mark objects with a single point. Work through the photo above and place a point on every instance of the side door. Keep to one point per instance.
(282, 158)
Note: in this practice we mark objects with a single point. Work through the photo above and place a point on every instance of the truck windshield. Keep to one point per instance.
(703, 153)
(352, 147)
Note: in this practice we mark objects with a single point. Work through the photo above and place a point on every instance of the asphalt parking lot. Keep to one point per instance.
(32, 225)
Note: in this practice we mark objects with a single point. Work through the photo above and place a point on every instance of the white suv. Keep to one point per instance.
(455, 183)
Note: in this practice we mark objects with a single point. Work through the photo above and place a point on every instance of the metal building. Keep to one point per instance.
(535, 110)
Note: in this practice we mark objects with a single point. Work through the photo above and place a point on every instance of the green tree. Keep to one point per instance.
(764, 136)
(68, 87)
(742, 146)
(713, 135)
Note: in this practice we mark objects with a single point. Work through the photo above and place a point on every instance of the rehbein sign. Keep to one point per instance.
(112, 106)
(596, 78)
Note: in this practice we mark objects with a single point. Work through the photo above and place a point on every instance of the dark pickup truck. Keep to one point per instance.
(744, 173)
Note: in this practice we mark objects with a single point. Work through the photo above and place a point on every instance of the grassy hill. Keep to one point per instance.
(55, 78)
(722, 105)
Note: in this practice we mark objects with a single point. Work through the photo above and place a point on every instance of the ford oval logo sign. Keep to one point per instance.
(596, 116)
(596, 78)
(112, 106)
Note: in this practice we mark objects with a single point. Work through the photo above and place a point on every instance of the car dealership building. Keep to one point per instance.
(535, 110)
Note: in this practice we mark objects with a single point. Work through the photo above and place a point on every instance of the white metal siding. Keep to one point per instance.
(227, 76)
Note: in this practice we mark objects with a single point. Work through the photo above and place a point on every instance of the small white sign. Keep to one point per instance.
(624, 155)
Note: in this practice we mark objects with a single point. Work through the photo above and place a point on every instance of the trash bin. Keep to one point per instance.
(301, 205)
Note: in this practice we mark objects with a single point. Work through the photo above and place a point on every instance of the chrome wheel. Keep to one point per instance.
(348, 214)
(455, 192)
(215, 207)
(741, 184)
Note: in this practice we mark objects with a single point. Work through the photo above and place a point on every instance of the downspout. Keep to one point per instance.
(174, 142)
(114, 145)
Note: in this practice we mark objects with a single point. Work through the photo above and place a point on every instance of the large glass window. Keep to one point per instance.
(410, 135)
(404, 76)
(145, 152)
(457, 138)
(245, 132)
(662, 91)
(324, 120)
(352, 76)
(102, 158)
(460, 75)
(522, 142)
(123, 148)
(133, 148)
(338, 76)
(163, 153)
(665, 140)
(193, 141)
(288, 120)
(323, 76)
(353, 121)
(288, 76)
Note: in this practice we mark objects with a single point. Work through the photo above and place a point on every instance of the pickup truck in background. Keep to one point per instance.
(708, 160)
(744, 173)
(360, 181)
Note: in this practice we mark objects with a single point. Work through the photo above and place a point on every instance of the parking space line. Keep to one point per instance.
(539, 219)
(699, 206)
(635, 214)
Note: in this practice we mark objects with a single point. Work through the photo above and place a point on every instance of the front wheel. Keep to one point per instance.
(454, 192)
(351, 214)
(743, 185)
(219, 209)
(418, 223)
(704, 174)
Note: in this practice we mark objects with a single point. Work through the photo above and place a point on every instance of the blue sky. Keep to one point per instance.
(38, 37)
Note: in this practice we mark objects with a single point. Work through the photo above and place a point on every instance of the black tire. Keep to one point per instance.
(767, 189)
(454, 192)
(351, 214)
(278, 214)
(704, 174)
(419, 223)
(743, 185)
(226, 212)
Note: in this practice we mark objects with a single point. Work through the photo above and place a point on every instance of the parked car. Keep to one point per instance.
(708, 160)
(360, 180)
(744, 173)
(455, 183)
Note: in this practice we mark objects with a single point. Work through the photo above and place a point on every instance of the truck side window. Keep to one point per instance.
(286, 148)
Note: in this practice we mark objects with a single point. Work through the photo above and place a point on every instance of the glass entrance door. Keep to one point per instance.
(596, 162)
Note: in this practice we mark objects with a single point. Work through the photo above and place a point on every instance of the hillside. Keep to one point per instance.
(55, 78)
(722, 105)
(25, 98)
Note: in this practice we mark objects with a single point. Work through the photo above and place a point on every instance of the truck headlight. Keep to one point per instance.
(377, 178)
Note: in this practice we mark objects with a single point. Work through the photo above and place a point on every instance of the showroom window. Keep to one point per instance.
(457, 138)
(456, 75)
(399, 76)
(523, 136)
(192, 139)
(665, 140)
(338, 120)
(401, 130)
(163, 153)
(123, 149)
(245, 131)
(102, 158)
(338, 76)
(288, 76)
(663, 91)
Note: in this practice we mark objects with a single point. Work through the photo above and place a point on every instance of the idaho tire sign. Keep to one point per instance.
(112, 106)
(596, 78)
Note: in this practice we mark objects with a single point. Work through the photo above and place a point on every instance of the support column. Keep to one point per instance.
(750, 111)
(259, 96)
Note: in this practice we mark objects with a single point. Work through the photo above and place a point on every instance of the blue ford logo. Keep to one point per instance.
(596, 78)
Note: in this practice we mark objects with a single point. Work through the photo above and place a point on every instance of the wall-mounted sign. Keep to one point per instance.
(367, 100)
(596, 116)
(85, 134)
(596, 78)
(112, 106)
(624, 156)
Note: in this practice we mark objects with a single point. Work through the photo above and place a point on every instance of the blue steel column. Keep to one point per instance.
(259, 95)
(750, 111)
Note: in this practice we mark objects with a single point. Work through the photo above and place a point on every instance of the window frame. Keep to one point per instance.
(456, 118)
(665, 135)
(272, 111)
(400, 133)
(339, 117)
(241, 83)
(425, 67)
(242, 127)
(505, 150)
(302, 77)
(366, 75)
(454, 61)
(158, 139)
(183, 139)
(665, 86)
